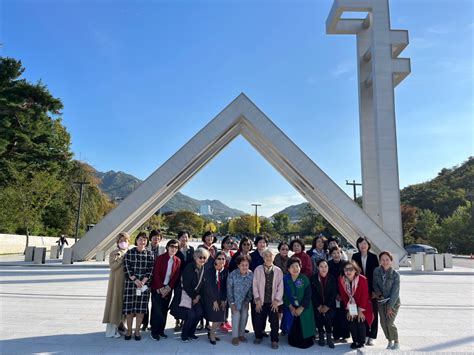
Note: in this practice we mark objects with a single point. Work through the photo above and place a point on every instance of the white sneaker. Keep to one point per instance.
(389, 345)
(370, 342)
(396, 346)
(117, 334)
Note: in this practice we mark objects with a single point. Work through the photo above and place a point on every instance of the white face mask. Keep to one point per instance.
(123, 245)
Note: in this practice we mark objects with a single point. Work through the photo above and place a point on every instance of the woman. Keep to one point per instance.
(297, 246)
(298, 316)
(245, 247)
(256, 257)
(317, 251)
(354, 291)
(367, 262)
(166, 273)
(138, 267)
(340, 325)
(192, 283)
(281, 259)
(155, 239)
(185, 254)
(214, 296)
(387, 289)
(226, 247)
(114, 300)
(334, 242)
(268, 297)
(324, 291)
(239, 294)
(208, 240)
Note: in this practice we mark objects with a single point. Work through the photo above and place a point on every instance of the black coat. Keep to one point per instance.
(335, 269)
(330, 292)
(189, 257)
(372, 263)
(211, 293)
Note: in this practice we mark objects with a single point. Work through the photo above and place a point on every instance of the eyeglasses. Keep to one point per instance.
(202, 257)
(349, 269)
(173, 246)
(229, 242)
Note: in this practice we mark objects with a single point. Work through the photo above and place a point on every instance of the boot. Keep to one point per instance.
(329, 340)
(321, 341)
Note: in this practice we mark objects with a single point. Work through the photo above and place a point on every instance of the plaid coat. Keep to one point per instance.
(140, 265)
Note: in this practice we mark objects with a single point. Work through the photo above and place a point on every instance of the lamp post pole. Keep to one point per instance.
(354, 184)
(81, 193)
(257, 205)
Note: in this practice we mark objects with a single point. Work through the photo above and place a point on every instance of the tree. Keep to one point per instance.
(426, 226)
(457, 229)
(244, 224)
(32, 136)
(408, 223)
(281, 222)
(185, 220)
(28, 196)
(210, 226)
(266, 225)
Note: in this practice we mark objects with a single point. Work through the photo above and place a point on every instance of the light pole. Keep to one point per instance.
(81, 184)
(257, 205)
(354, 184)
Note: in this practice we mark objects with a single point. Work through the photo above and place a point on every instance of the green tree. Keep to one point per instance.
(281, 222)
(426, 226)
(266, 225)
(244, 224)
(210, 226)
(408, 223)
(32, 136)
(457, 229)
(185, 220)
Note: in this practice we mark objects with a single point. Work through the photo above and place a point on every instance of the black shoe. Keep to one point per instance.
(354, 346)
(157, 338)
(138, 337)
(213, 342)
(193, 337)
(164, 336)
(265, 335)
(321, 341)
(128, 337)
(329, 340)
(247, 331)
(360, 345)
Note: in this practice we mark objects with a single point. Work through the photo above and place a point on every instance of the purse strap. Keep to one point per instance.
(200, 279)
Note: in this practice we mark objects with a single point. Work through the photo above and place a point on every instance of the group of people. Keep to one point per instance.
(313, 294)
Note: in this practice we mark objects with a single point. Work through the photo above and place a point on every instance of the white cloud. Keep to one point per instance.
(438, 30)
(344, 68)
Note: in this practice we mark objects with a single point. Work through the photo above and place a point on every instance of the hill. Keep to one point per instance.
(119, 185)
(295, 212)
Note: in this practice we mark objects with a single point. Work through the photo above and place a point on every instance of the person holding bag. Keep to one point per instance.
(354, 291)
(190, 303)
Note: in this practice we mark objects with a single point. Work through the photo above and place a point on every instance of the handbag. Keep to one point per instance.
(186, 301)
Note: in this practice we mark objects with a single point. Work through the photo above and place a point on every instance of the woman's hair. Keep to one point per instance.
(156, 232)
(259, 238)
(353, 264)
(209, 233)
(386, 252)
(201, 252)
(266, 252)
(315, 239)
(293, 260)
(181, 233)
(221, 253)
(299, 241)
(360, 240)
(245, 240)
(122, 235)
(282, 244)
(242, 258)
(144, 236)
(171, 242)
(321, 261)
(333, 249)
(224, 240)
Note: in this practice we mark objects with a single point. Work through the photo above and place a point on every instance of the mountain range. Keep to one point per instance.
(118, 185)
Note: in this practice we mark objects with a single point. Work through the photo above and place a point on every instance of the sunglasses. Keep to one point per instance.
(349, 269)
(202, 257)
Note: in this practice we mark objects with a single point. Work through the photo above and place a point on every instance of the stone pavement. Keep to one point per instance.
(58, 309)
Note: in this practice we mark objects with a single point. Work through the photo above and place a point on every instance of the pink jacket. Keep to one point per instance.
(259, 284)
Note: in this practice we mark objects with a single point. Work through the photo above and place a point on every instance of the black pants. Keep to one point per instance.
(372, 330)
(190, 323)
(260, 321)
(159, 312)
(340, 325)
(357, 330)
(324, 321)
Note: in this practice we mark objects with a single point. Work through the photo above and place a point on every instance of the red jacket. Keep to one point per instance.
(159, 271)
(306, 264)
(361, 297)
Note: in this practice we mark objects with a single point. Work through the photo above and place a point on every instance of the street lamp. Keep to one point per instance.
(257, 205)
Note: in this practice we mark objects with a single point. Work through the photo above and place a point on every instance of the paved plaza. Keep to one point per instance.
(58, 309)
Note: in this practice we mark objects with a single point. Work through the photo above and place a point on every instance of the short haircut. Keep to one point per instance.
(122, 235)
(181, 233)
(266, 252)
(293, 260)
(171, 242)
(142, 235)
(321, 261)
(259, 238)
(155, 232)
(224, 240)
(209, 233)
(242, 258)
(299, 241)
(333, 249)
(386, 252)
(315, 239)
(245, 240)
(353, 264)
(201, 252)
(282, 244)
(360, 240)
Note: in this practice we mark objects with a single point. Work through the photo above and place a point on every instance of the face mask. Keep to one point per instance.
(123, 245)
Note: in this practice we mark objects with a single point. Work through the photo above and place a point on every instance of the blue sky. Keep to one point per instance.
(139, 78)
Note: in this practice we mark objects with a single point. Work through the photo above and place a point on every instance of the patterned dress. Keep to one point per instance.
(140, 265)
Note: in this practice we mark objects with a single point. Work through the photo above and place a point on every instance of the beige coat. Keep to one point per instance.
(114, 301)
